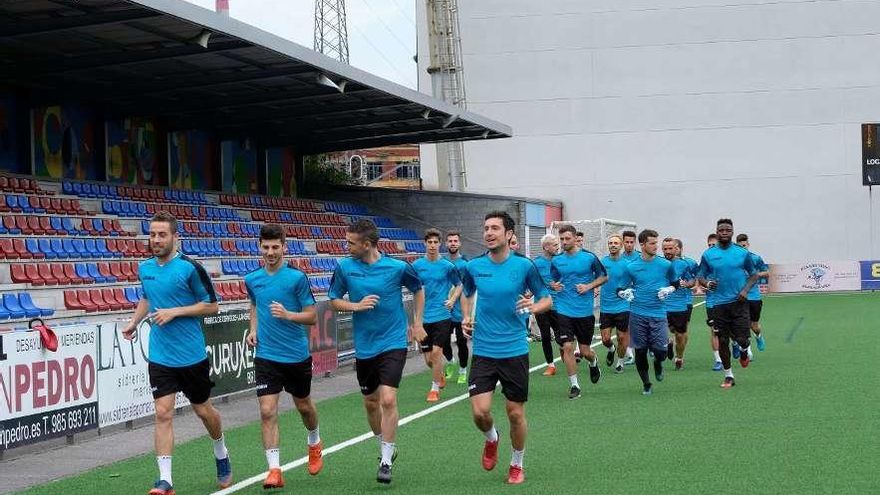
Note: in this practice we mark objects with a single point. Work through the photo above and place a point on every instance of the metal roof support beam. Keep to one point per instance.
(58, 24)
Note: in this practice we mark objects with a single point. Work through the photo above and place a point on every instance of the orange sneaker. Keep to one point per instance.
(442, 381)
(515, 475)
(433, 396)
(550, 371)
(161, 487)
(316, 460)
(274, 480)
(490, 454)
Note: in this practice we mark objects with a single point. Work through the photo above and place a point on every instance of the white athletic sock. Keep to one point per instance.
(516, 458)
(551, 365)
(750, 352)
(435, 387)
(629, 352)
(717, 356)
(728, 373)
(379, 439)
(164, 462)
(620, 361)
(273, 458)
(220, 451)
(613, 348)
(314, 436)
(387, 452)
(594, 362)
(573, 380)
(491, 434)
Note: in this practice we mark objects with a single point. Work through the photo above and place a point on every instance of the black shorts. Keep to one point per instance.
(710, 317)
(732, 320)
(755, 311)
(194, 381)
(580, 329)
(438, 335)
(547, 320)
(273, 377)
(678, 321)
(620, 321)
(382, 369)
(513, 373)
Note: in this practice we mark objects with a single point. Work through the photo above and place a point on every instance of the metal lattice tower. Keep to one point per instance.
(331, 32)
(447, 75)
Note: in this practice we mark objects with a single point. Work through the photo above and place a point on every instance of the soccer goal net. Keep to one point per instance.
(596, 232)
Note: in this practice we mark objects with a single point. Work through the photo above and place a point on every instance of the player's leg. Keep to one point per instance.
(196, 385)
(481, 388)
(269, 379)
(741, 330)
(723, 324)
(755, 308)
(713, 340)
(514, 377)
(565, 339)
(584, 329)
(605, 327)
(463, 352)
(621, 323)
(163, 438)
(299, 384)
(543, 321)
(658, 337)
(638, 332)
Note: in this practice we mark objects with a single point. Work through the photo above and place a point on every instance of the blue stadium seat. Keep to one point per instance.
(32, 246)
(80, 247)
(46, 248)
(90, 190)
(58, 248)
(226, 266)
(140, 292)
(67, 187)
(69, 248)
(131, 294)
(145, 226)
(105, 251)
(82, 271)
(12, 202)
(124, 208)
(3, 229)
(140, 209)
(24, 204)
(186, 247)
(10, 302)
(95, 274)
(108, 207)
(57, 226)
(67, 222)
(92, 249)
(26, 303)
(4, 313)
(77, 188)
(102, 191)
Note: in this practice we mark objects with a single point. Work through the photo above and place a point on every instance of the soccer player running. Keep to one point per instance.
(647, 282)
(373, 283)
(501, 350)
(282, 307)
(177, 293)
(679, 304)
(729, 272)
(576, 272)
(754, 297)
(442, 286)
(629, 254)
(711, 240)
(453, 245)
(547, 322)
(614, 311)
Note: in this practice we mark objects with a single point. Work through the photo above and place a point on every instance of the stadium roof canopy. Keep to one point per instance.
(197, 69)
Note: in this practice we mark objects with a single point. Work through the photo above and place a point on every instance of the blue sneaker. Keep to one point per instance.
(161, 487)
(224, 472)
(760, 341)
(716, 366)
(736, 350)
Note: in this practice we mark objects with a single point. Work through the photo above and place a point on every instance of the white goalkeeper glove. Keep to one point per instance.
(664, 292)
(626, 294)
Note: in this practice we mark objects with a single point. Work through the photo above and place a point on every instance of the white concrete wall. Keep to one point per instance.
(673, 113)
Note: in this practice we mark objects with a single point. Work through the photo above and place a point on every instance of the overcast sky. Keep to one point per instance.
(381, 33)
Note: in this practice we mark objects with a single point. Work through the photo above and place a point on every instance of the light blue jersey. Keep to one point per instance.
(499, 331)
(760, 266)
(609, 302)
(384, 327)
(646, 279)
(180, 282)
(280, 340)
(582, 267)
(730, 267)
(438, 278)
(459, 263)
(678, 301)
(634, 255)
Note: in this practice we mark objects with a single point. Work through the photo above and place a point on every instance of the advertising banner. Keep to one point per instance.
(870, 274)
(821, 276)
(232, 360)
(46, 394)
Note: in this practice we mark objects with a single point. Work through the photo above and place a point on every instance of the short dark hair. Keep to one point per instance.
(451, 233)
(166, 217)
(679, 243)
(505, 217)
(366, 229)
(272, 232)
(712, 237)
(724, 220)
(742, 237)
(628, 233)
(669, 239)
(579, 234)
(567, 228)
(645, 234)
(432, 233)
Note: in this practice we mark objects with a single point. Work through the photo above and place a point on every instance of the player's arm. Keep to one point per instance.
(308, 315)
(541, 302)
(338, 290)
(601, 277)
(749, 267)
(140, 312)
(469, 290)
(555, 283)
(455, 292)
(202, 289)
(704, 271)
(418, 329)
(252, 325)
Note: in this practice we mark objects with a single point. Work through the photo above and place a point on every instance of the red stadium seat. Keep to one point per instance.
(85, 300)
(6, 249)
(3, 206)
(67, 206)
(104, 270)
(46, 226)
(22, 224)
(23, 253)
(15, 184)
(116, 271)
(107, 226)
(98, 300)
(46, 274)
(119, 295)
(51, 205)
(4, 183)
(9, 223)
(110, 299)
(70, 273)
(33, 224)
(89, 226)
(126, 271)
(74, 204)
(33, 274)
(142, 248)
(16, 271)
(34, 202)
(57, 270)
(71, 301)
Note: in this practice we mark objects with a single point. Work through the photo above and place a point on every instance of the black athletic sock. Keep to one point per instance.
(447, 350)
(724, 351)
(642, 365)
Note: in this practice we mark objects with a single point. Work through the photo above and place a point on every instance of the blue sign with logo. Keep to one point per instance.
(870, 275)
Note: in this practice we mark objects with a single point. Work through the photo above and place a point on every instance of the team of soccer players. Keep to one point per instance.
(646, 299)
